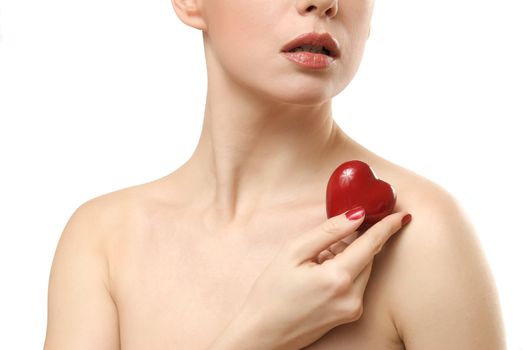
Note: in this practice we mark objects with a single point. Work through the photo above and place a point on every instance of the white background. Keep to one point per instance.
(100, 95)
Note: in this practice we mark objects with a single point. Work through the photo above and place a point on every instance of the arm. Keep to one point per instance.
(445, 296)
(81, 311)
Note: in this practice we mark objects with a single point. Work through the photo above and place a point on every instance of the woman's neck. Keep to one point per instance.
(253, 157)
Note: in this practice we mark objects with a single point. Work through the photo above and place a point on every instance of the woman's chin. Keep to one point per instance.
(304, 96)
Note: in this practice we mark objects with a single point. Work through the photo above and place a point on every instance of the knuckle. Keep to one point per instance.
(323, 256)
(339, 281)
(387, 225)
(331, 226)
(378, 236)
(375, 244)
(389, 222)
(393, 227)
(352, 309)
(356, 309)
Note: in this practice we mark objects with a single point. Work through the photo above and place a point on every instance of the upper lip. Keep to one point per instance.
(325, 39)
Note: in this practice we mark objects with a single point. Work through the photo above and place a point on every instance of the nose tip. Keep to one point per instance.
(322, 7)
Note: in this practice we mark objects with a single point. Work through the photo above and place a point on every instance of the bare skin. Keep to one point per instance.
(172, 281)
(193, 277)
(167, 264)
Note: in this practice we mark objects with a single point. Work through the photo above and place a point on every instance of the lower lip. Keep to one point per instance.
(309, 59)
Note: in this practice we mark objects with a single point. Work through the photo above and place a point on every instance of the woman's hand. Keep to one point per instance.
(315, 283)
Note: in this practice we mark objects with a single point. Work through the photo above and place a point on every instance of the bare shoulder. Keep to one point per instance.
(112, 219)
(82, 313)
(440, 222)
(440, 288)
(108, 212)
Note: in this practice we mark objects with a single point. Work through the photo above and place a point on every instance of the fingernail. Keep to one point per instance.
(355, 213)
(406, 219)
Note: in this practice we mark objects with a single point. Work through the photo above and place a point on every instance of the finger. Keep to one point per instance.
(360, 283)
(351, 237)
(338, 247)
(356, 256)
(330, 252)
(325, 255)
(309, 245)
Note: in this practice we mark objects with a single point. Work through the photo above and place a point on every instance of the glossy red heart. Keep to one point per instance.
(354, 183)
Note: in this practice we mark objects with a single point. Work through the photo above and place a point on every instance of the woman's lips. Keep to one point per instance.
(315, 39)
(309, 59)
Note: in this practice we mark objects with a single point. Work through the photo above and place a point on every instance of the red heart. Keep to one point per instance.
(354, 183)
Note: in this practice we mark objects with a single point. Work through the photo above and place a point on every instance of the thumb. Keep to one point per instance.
(312, 243)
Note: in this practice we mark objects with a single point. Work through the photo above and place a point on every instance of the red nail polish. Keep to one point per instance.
(355, 213)
(406, 219)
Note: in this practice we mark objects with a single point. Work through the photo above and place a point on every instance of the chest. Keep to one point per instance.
(177, 292)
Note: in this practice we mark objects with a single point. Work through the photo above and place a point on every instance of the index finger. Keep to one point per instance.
(360, 252)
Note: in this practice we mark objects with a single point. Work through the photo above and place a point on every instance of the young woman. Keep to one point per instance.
(233, 249)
